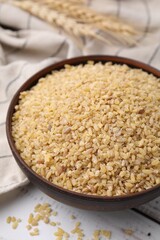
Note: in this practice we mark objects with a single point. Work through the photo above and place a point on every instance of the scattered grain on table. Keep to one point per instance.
(61, 234)
(78, 231)
(47, 213)
(99, 233)
(13, 221)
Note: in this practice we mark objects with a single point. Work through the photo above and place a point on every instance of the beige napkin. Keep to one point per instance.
(34, 45)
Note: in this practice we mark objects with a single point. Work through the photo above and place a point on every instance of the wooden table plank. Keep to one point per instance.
(151, 209)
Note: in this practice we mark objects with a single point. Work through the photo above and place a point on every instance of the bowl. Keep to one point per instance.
(79, 200)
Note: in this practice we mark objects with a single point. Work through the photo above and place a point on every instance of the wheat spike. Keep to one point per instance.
(57, 19)
(85, 14)
(110, 24)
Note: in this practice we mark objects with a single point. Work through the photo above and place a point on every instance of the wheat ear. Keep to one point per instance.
(60, 20)
(86, 14)
(110, 24)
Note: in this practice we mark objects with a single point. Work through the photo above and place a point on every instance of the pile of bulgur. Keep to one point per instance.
(92, 128)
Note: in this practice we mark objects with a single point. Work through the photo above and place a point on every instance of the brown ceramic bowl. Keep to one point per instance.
(60, 194)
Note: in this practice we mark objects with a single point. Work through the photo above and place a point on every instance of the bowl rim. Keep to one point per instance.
(60, 65)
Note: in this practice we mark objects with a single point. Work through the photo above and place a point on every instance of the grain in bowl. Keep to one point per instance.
(92, 128)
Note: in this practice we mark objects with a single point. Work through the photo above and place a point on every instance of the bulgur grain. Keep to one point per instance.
(35, 232)
(46, 220)
(13, 219)
(54, 213)
(15, 225)
(61, 234)
(88, 123)
(96, 235)
(128, 232)
(106, 233)
(29, 227)
(53, 224)
(8, 220)
(73, 217)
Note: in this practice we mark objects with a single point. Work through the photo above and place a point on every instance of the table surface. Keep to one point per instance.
(141, 223)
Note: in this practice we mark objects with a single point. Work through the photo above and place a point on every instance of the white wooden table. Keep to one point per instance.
(144, 221)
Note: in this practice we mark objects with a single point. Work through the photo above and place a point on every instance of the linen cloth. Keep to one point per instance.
(27, 45)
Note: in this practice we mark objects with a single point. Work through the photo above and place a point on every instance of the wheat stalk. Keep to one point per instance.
(57, 19)
(79, 20)
(85, 14)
